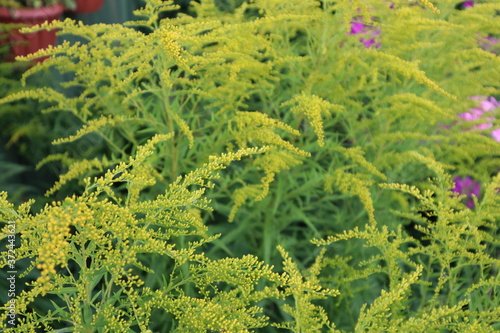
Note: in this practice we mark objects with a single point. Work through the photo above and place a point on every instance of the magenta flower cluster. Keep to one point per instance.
(486, 111)
(490, 44)
(469, 187)
(368, 33)
(467, 4)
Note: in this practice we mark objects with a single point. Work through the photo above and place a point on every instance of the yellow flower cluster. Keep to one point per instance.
(91, 126)
(407, 69)
(54, 232)
(169, 37)
(305, 287)
(314, 109)
(257, 127)
(76, 169)
(356, 155)
(353, 184)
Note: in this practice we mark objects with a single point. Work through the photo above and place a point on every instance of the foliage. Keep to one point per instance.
(336, 122)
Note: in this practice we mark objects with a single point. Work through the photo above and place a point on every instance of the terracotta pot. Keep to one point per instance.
(88, 6)
(24, 44)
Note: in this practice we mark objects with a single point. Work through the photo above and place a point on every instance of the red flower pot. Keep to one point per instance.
(88, 6)
(24, 44)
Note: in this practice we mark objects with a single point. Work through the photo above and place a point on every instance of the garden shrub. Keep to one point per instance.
(331, 134)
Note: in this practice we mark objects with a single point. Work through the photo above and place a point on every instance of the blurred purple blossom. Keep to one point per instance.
(496, 134)
(467, 186)
(357, 28)
(485, 111)
(475, 114)
(369, 33)
(369, 42)
(490, 44)
(467, 4)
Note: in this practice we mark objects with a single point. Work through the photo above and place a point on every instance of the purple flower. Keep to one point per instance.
(496, 134)
(487, 106)
(490, 44)
(484, 126)
(467, 4)
(369, 33)
(475, 114)
(466, 185)
(369, 42)
(357, 28)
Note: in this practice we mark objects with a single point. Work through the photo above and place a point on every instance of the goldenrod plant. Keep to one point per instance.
(266, 166)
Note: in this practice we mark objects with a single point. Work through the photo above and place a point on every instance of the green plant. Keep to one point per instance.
(313, 134)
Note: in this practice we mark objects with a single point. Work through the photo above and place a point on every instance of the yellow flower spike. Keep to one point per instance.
(314, 109)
